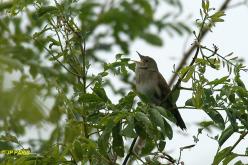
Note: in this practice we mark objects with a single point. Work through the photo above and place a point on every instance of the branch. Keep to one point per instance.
(180, 155)
(239, 140)
(223, 58)
(244, 2)
(129, 152)
(189, 52)
(183, 148)
(51, 53)
(190, 107)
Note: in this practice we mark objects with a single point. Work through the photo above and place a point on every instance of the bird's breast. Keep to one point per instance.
(145, 84)
(144, 88)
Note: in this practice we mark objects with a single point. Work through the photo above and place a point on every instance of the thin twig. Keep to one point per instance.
(138, 157)
(197, 44)
(239, 140)
(180, 155)
(51, 53)
(129, 152)
(183, 148)
(244, 2)
(189, 107)
(191, 89)
(241, 155)
(61, 45)
(191, 49)
(215, 53)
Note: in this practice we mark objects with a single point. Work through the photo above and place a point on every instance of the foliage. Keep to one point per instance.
(52, 49)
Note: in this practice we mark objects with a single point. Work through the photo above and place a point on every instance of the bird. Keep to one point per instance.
(153, 88)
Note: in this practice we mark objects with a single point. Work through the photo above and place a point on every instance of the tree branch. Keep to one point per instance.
(129, 152)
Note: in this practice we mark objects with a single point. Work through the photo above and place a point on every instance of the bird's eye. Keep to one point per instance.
(146, 60)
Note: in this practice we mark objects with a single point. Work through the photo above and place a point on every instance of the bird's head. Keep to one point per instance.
(146, 62)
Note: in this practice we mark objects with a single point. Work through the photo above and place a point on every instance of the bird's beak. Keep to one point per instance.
(135, 61)
(141, 56)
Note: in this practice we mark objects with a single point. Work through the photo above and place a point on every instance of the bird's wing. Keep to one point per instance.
(165, 90)
(163, 87)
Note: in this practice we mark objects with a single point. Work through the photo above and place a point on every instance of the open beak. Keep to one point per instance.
(141, 57)
(135, 61)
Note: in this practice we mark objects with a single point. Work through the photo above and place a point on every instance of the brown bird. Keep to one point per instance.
(153, 88)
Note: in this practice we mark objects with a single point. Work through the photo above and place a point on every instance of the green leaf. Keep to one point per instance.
(132, 66)
(185, 27)
(227, 133)
(53, 42)
(221, 155)
(231, 98)
(189, 74)
(239, 163)
(5, 5)
(197, 100)
(217, 118)
(129, 130)
(118, 56)
(127, 101)
(229, 158)
(231, 114)
(189, 102)
(100, 92)
(205, 6)
(46, 10)
(157, 119)
(143, 118)
(103, 141)
(216, 17)
(165, 113)
(9, 138)
(152, 39)
(206, 124)
(183, 71)
(149, 146)
(146, 5)
(88, 98)
(208, 98)
(140, 129)
(118, 144)
(145, 123)
(219, 81)
(14, 63)
(77, 148)
(239, 81)
(161, 145)
(168, 129)
(176, 28)
(214, 63)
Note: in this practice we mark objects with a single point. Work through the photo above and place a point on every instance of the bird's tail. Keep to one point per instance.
(174, 110)
(179, 119)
